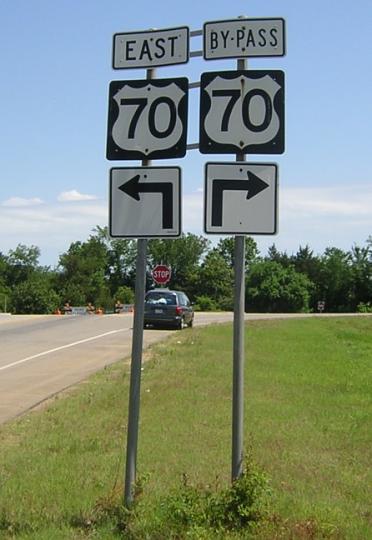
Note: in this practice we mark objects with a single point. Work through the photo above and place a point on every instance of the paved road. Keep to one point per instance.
(42, 355)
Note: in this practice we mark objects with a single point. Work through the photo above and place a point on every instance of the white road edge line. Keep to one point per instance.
(61, 348)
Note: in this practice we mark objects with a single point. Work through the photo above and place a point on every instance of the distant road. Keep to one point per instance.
(42, 355)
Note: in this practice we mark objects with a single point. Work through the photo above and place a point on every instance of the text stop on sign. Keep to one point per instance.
(161, 274)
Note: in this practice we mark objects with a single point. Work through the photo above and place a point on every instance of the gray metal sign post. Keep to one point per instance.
(238, 346)
(136, 363)
(135, 373)
(136, 131)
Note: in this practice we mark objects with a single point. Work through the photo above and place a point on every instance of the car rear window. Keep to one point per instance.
(161, 298)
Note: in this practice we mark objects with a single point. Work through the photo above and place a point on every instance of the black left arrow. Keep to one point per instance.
(134, 187)
(253, 185)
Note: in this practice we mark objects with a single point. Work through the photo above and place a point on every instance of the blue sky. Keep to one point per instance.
(55, 61)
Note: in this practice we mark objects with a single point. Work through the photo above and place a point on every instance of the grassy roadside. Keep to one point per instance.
(308, 425)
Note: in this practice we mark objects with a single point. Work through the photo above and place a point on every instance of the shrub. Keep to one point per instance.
(201, 509)
(226, 303)
(125, 295)
(364, 307)
(199, 512)
(241, 505)
(204, 303)
(274, 288)
(34, 296)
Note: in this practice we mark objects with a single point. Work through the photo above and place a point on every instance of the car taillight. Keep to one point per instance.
(178, 310)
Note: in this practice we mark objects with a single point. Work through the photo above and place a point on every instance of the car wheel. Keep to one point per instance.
(180, 324)
(191, 323)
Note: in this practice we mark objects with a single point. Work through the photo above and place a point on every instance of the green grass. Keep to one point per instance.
(307, 424)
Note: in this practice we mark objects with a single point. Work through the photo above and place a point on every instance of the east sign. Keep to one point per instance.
(151, 48)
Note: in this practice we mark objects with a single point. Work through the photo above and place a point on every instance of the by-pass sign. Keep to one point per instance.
(243, 38)
(151, 48)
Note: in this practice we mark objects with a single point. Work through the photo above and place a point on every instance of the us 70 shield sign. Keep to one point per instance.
(242, 111)
(147, 119)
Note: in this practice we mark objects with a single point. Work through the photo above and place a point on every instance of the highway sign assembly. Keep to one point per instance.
(145, 202)
(240, 198)
(239, 38)
(242, 112)
(147, 119)
(152, 48)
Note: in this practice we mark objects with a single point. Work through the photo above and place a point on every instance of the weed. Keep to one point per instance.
(108, 510)
(243, 504)
(202, 510)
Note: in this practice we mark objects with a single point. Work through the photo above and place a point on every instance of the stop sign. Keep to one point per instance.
(161, 274)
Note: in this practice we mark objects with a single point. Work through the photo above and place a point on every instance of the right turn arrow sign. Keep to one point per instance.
(253, 186)
(240, 198)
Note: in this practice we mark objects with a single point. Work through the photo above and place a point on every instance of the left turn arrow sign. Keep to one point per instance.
(145, 202)
(134, 187)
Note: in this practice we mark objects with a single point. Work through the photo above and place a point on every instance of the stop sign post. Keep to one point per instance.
(161, 274)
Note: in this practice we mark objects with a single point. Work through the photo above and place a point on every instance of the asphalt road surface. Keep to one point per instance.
(43, 355)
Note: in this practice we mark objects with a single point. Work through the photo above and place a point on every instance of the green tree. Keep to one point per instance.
(274, 288)
(273, 254)
(305, 262)
(336, 280)
(21, 263)
(4, 289)
(121, 259)
(83, 273)
(216, 280)
(226, 247)
(183, 255)
(361, 270)
(125, 295)
(35, 295)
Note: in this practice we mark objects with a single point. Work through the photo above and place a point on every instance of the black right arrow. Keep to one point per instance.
(134, 187)
(253, 185)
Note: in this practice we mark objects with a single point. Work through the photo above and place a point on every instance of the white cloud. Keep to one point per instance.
(193, 212)
(50, 227)
(338, 202)
(319, 217)
(337, 216)
(74, 195)
(20, 202)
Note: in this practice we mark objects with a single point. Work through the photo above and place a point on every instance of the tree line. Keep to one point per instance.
(102, 271)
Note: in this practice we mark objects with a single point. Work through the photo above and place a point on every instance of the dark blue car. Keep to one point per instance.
(164, 307)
